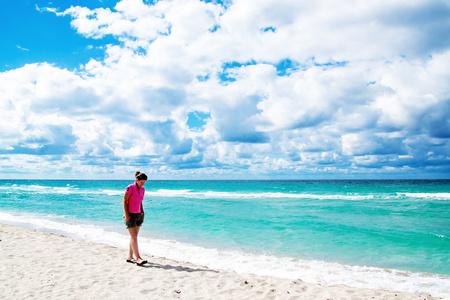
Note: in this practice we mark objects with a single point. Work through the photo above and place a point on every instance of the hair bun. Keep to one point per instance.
(140, 176)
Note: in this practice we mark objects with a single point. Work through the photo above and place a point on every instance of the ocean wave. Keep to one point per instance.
(314, 271)
(41, 189)
(113, 192)
(239, 195)
(437, 196)
(440, 236)
(63, 226)
(210, 194)
(187, 193)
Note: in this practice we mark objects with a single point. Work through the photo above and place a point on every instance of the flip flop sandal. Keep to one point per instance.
(142, 263)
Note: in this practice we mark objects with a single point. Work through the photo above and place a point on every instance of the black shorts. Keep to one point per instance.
(135, 220)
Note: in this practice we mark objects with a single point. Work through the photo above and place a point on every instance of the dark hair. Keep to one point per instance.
(140, 176)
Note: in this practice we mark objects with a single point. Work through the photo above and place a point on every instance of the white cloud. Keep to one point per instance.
(22, 48)
(364, 88)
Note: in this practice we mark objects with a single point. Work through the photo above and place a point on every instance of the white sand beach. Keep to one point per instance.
(42, 265)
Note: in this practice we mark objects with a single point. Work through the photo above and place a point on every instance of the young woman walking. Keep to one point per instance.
(134, 215)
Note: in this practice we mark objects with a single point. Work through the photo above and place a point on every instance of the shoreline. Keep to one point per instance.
(47, 265)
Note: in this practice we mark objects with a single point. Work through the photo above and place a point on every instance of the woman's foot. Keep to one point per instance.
(141, 262)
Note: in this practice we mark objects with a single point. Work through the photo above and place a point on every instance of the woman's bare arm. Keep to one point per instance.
(126, 197)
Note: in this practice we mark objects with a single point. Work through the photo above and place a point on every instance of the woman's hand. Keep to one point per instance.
(127, 217)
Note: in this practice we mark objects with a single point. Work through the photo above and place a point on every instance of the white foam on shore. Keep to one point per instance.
(313, 271)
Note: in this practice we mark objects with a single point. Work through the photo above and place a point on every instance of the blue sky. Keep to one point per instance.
(246, 89)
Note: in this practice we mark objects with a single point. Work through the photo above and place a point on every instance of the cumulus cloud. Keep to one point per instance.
(298, 89)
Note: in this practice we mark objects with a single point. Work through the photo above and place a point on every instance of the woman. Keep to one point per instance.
(134, 215)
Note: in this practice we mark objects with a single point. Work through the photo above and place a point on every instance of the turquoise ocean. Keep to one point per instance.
(392, 235)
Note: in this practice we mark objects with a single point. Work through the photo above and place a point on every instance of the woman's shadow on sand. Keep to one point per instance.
(177, 268)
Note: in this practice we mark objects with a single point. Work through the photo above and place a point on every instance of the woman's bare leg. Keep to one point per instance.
(130, 253)
(134, 248)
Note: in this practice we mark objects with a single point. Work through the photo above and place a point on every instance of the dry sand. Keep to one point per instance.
(47, 266)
